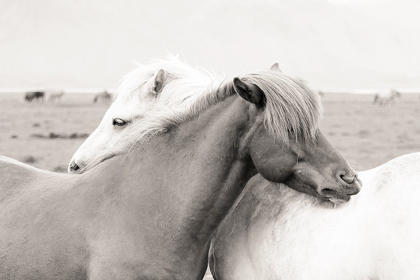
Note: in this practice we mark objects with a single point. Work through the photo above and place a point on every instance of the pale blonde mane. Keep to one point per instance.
(291, 108)
(182, 82)
(186, 93)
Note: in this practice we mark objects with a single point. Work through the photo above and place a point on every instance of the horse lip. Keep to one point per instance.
(343, 197)
(106, 158)
(336, 200)
(83, 170)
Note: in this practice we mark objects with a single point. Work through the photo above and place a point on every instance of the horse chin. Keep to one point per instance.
(300, 186)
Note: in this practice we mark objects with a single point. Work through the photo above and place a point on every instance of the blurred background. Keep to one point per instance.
(348, 50)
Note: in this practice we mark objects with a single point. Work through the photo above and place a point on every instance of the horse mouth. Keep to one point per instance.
(104, 159)
(334, 196)
(337, 200)
(76, 169)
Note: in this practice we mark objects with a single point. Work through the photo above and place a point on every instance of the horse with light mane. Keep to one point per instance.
(386, 98)
(274, 232)
(144, 91)
(150, 213)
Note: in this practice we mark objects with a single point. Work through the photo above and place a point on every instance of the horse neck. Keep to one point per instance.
(191, 176)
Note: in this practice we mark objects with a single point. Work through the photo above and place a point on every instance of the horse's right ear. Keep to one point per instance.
(155, 84)
(275, 67)
(249, 92)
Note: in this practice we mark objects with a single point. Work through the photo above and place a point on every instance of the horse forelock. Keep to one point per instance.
(291, 107)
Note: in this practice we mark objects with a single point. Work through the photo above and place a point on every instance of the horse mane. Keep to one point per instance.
(291, 108)
(197, 96)
(183, 81)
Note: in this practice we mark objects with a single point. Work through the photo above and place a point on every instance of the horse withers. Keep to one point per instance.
(149, 211)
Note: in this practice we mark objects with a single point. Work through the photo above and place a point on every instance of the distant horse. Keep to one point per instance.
(103, 97)
(386, 98)
(276, 233)
(56, 96)
(143, 91)
(149, 211)
(34, 95)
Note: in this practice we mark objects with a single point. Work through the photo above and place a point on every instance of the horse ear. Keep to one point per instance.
(249, 92)
(159, 81)
(275, 67)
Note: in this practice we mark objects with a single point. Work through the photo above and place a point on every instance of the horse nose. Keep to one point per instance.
(351, 180)
(73, 167)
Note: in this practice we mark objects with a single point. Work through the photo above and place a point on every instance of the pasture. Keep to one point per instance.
(46, 135)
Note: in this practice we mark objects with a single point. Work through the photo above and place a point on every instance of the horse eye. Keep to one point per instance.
(118, 122)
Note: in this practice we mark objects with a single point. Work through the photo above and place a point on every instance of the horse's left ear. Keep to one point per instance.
(249, 92)
(275, 67)
(159, 80)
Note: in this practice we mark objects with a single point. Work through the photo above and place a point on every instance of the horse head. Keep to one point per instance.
(103, 143)
(286, 145)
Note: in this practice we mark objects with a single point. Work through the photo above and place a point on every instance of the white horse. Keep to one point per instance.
(144, 91)
(275, 232)
(387, 97)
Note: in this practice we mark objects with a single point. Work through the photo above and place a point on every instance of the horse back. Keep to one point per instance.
(15, 175)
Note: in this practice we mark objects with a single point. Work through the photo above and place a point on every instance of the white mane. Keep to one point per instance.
(182, 79)
(185, 86)
(291, 108)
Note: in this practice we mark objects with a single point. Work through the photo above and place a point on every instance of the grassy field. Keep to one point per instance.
(367, 135)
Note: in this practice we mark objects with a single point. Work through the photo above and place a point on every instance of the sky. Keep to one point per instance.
(332, 44)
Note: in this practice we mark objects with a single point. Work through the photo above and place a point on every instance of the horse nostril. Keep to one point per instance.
(73, 167)
(348, 179)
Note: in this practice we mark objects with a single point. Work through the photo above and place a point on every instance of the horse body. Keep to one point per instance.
(102, 96)
(122, 230)
(149, 213)
(56, 96)
(386, 98)
(34, 95)
(277, 233)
